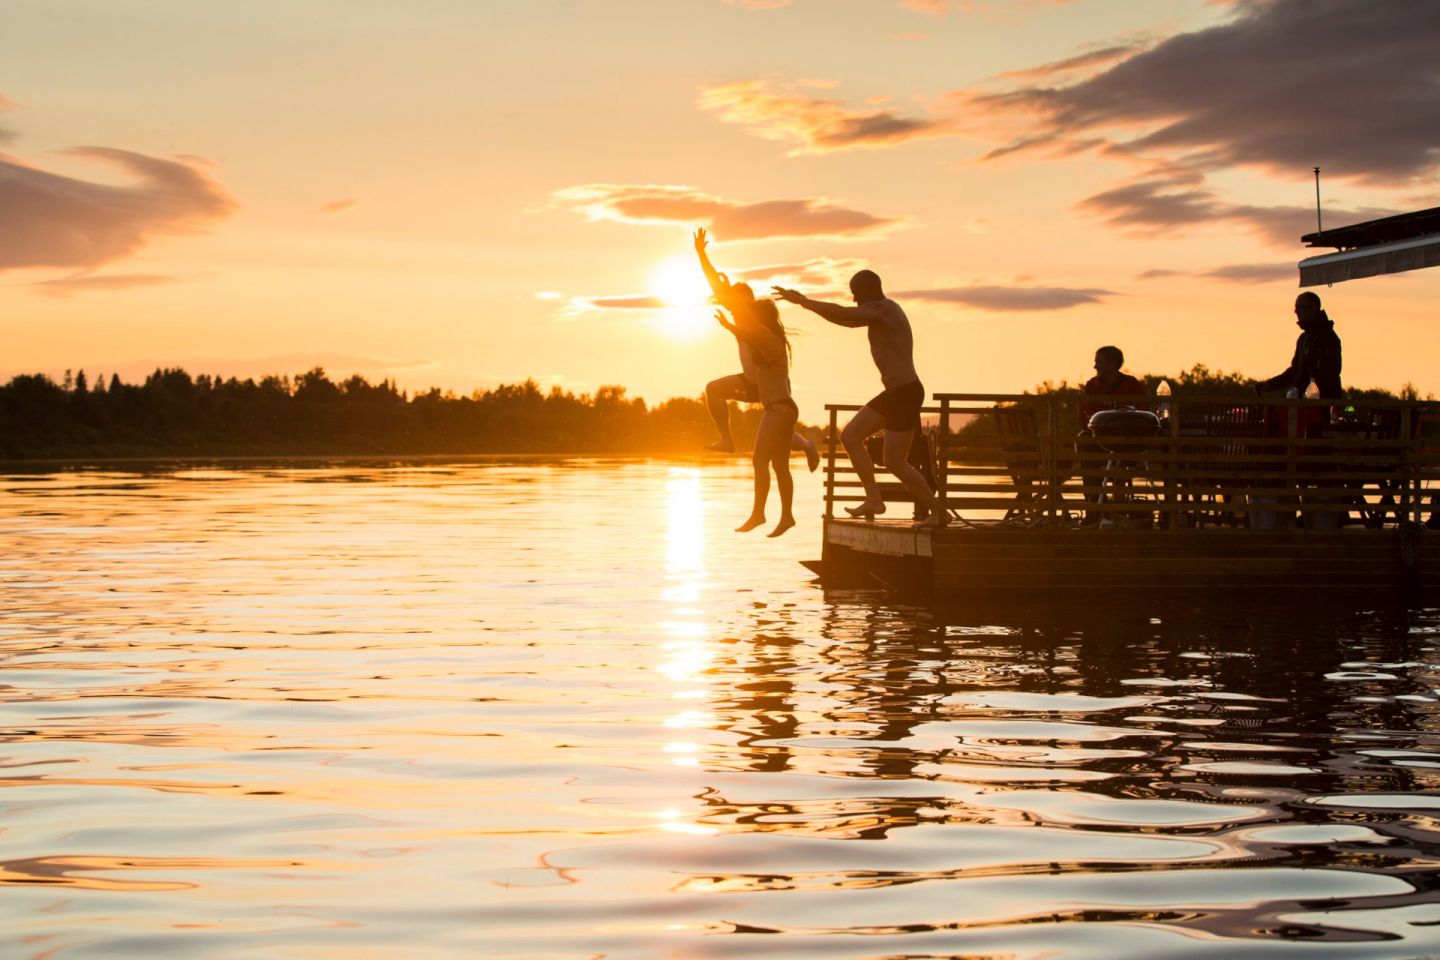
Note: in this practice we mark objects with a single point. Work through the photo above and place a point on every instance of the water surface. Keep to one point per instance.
(545, 708)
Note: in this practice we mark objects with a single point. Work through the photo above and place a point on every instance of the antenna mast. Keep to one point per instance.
(1318, 228)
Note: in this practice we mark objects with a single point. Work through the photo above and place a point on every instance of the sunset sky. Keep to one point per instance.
(468, 192)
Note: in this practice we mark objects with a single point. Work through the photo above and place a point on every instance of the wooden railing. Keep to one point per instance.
(1218, 461)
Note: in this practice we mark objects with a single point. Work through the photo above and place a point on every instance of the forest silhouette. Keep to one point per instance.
(173, 413)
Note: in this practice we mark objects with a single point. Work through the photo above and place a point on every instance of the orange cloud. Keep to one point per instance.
(338, 206)
(86, 283)
(53, 220)
(817, 125)
(729, 219)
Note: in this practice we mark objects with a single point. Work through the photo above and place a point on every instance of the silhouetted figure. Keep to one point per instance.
(740, 386)
(756, 326)
(896, 409)
(1317, 354)
(1108, 381)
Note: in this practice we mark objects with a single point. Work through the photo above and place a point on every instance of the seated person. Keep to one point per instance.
(1108, 381)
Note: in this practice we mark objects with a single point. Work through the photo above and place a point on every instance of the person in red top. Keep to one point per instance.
(1108, 381)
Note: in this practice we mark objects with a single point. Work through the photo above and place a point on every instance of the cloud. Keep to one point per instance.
(821, 272)
(1070, 65)
(759, 4)
(817, 125)
(818, 275)
(730, 219)
(630, 302)
(1350, 85)
(1250, 273)
(1179, 200)
(86, 283)
(1003, 299)
(53, 220)
(338, 206)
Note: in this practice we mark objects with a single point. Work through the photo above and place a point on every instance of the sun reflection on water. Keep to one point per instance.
(689, 653)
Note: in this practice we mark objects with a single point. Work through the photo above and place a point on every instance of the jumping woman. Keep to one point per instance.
(760, 329)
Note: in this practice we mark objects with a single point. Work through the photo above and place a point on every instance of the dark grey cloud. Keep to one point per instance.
(51, 220)
(1181, 202)
(1003, 299)
(1350, 85)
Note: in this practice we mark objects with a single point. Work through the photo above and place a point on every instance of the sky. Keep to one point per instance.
(463, 193)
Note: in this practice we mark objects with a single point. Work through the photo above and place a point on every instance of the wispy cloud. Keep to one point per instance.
(338, 206)
(931, 8)
(1179, 201)
(1349, 85)
(815, 124)
(89, 283)
(628, 302)
(821, 274)
(729, 219)
(1011, 299)
(1247, 273)
(53, 220)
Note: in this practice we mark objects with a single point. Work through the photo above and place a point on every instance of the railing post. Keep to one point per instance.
(942, 461)
(1406, 468)
(830, 434)
(1170, 516)
(1292, 450)
(1052, 469)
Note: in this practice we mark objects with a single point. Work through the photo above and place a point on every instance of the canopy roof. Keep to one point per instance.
(1409, 241)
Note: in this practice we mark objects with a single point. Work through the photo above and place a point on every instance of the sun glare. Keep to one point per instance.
(680, 286)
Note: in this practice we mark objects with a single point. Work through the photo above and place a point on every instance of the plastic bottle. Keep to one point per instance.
(1162, 394)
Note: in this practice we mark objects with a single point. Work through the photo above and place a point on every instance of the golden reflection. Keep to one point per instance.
(689, 653)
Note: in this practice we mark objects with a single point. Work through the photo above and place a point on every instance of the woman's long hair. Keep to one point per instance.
(768, 316)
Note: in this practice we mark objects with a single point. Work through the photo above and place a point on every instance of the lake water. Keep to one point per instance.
(551, 708)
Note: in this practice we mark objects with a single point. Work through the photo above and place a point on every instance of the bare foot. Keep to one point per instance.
(722, 446)
(750, 524)
(929, 521)
(785, 524)
(812, 456)
(867, 510)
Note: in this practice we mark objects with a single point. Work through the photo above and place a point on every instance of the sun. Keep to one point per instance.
(680, 286)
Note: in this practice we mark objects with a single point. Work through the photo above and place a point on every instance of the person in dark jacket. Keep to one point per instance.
(1317, 354)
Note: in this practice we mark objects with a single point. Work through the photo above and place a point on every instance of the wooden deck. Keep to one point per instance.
(1233, 496)
(987, 559)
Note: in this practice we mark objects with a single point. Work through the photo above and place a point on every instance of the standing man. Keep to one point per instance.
(1317, 354)
(896, 409)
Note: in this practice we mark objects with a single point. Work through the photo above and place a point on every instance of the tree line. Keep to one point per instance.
(172, 413)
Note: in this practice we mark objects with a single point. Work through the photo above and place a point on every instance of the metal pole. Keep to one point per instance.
(1318, 228)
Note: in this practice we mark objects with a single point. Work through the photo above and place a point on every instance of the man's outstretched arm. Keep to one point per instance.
(834, 312)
